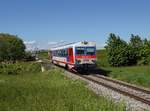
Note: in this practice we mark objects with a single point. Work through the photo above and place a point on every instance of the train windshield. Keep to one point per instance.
(85, 50)
(90, 51)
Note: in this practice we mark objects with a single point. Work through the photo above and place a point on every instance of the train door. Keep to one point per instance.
(70, 55)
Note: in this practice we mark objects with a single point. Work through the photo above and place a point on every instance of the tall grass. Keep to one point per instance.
(49, 91)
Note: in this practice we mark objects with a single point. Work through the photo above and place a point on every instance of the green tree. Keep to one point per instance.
(136, 44)
(3, 50)
(12, 48)
(117, 51)
(136, 41)
(145, 53)
(121, 53)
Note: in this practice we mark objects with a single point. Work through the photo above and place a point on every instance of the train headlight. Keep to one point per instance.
(94, 61)
(78, 61)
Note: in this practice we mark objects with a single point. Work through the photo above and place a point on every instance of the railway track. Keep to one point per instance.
(141, 95)
(137, 93)
(131, 91)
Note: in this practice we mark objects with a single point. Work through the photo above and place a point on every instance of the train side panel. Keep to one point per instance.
(67, 61)
(59, 60)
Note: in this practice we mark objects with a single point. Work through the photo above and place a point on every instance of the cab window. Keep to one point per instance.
(90, 51)
(80, 50)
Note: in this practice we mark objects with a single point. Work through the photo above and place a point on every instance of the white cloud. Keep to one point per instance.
(30, 42)
(34, 45)
(59, 42)
(62, 41)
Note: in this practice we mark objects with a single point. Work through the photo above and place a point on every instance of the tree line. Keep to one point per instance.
(119, 52)
(122, 53)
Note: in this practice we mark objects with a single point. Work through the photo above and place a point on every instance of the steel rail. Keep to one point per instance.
(123, 84)
(115, 89)
(120, 91)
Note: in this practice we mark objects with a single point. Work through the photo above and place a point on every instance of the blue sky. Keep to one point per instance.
(49, 21)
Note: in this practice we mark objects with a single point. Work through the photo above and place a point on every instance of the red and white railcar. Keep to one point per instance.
(80, 55)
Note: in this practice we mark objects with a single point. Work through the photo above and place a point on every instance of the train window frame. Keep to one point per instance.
(60, 52)
(94, 48)
(66, 53)
(77, 53)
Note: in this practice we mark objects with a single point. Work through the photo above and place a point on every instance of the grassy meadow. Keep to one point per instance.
(47, 91)
(139, 75)
(43, 55)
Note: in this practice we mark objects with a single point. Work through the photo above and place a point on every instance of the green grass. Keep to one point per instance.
(20, 67)
(102, 58)
(43, 55)
(139, 75)
(49, 91)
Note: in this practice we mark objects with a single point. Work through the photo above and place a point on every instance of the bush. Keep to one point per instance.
(136, 45)
(12, 48)
(118, 51)
(19, 68)
(121, 53)
(29, 57)
(145, 53)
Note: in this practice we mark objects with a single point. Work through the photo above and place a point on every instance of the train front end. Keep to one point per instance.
(85, 56)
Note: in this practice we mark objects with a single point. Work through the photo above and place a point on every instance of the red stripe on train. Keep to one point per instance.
(64, 62)
(94, 56)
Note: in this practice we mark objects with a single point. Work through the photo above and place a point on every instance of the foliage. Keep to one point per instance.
(11, 48)
(29, 57)
(19, 68)
(121, 53)
(50, 91)
(145, 53)
(136, 42)
(118, 51)
(136, 45)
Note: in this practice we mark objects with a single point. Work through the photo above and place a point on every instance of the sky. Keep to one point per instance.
(45, 23)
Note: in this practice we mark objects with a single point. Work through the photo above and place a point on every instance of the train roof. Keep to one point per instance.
(81, 44)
